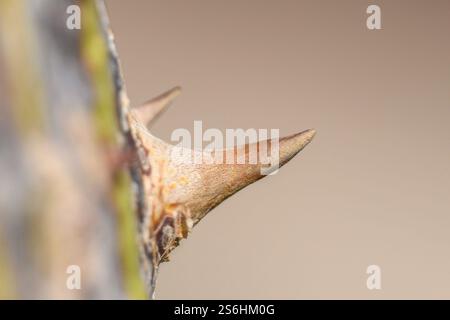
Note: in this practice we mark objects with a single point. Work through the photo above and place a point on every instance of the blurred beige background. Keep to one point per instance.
(372, 188)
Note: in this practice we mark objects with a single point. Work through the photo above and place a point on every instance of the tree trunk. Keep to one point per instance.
(64, 200)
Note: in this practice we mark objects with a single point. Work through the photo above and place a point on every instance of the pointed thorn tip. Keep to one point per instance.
(150, 110)
(291, 145)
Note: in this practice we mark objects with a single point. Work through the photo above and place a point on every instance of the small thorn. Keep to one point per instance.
(151, 109)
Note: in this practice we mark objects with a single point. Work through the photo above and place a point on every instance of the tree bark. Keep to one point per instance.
(64, 198)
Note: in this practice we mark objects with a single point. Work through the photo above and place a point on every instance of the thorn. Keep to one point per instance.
(151, 109)
(293, 144)
(207, 185)
(174, 180)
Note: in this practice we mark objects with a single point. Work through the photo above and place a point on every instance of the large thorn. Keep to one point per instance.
(151, 109)
(202, 187)
(180, 191)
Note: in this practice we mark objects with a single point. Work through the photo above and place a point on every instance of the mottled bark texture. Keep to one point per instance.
(66, 132)
(63, 198)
